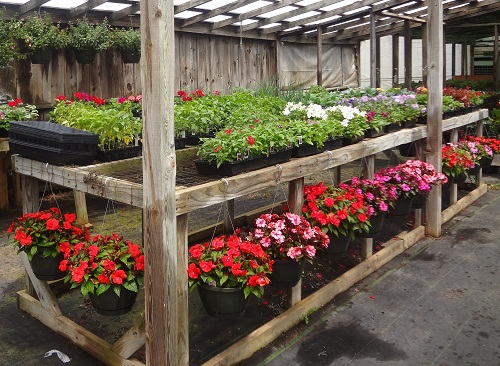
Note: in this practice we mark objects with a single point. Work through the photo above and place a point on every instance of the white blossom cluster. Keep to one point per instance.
(314, 111)
(347, 112)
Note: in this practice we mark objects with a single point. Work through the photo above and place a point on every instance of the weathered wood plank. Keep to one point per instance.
(454, 209)
(131, 341)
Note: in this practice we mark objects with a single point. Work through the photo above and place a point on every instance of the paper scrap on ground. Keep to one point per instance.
(64, 358)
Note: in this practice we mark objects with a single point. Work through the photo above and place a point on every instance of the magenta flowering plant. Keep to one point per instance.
(476, 150)
(288, 236)
(411, 178)
(379, 196)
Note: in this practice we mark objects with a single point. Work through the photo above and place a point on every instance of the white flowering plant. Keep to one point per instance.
(351, 118)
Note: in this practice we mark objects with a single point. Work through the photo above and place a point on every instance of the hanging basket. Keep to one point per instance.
(377, 223)
(47, 268)
(402, 206)
(109, 303)
(223, 303)
(287, 272)
(130, 56)
(41, 57)
(419, 201)
(84, 56)
(338, 245)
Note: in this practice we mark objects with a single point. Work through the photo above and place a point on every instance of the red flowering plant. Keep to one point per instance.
(16, 110)
(488, 142)
(102, 262)
(455, 161)
(411, 178)
(230, 262)
(47, 232)
(340, 211)
(288, 236)
(476, 148)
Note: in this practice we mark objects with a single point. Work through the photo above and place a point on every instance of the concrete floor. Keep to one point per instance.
(436, 304)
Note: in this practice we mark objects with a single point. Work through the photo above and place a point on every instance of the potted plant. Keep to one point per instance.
(339, 212)
(480, 152)
(86, 39)
(41, 36)
(109, 269)
(15, 110)
(47, 238)
(9, 36)
(128, 42)
(226, 271)
(290, 240)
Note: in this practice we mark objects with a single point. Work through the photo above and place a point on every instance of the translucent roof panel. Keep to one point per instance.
(214, 4)
(187, 14)
(217, 18)
(249, 7)
(273, 13)
(63, 4)
(340, 4)
(302, 16)
(111, 7)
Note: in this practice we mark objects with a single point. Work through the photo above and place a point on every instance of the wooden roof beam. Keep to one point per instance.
(219, 11)
(253, 13)
(125, 12)
(30, 5)
(188, 5)
(404, 17)
(82, 9)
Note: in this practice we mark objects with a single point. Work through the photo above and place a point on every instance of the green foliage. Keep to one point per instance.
(39, 33)
(15, 111)
(9, 35)
(84, 35)
(126, 39)
(493, 125)
(486, 85)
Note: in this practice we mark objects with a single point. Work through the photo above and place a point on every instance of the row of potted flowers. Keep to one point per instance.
(109, 269)
(259, 255)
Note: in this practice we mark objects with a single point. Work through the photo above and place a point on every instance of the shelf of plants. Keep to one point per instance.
(92, 180)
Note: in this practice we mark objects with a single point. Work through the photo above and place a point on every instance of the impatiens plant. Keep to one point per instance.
(16, 110)
(477, 149)
(339, 211)
(47, 232)
(230, 262)
(103, 262)
(288, 236)
(376, 193)
(455, 161)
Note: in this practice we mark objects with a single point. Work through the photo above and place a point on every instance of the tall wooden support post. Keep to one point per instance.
(471, 59)
(463, 66)
(453, 59)
(82, 216)
(30, 199)
(319, 57)
(295, 201)
(378, 79)
(424, 54)
(496, 67)
(395, 60)
(434, 111)
(165, 281)
(368, 172)
(419, 155)
(444, 59)
(373, 50)
(408, 63)
(479, 132)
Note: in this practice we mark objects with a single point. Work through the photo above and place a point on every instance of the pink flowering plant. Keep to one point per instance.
(379, 197)
(102, 262)
(230, 262)
(411, 178)
(47, 232)
(288, 236)
(476, 150)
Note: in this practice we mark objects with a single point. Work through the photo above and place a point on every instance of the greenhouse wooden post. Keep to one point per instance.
(373, 50)
(319, 57)
(295, 201)
(496, 66)
(395, 60)
(453, 190)
(408, 53)
(368, 172)
(165, 280)
(424, 54)
(434, 111)
(30, 199)
(419, 155)
(479, 132)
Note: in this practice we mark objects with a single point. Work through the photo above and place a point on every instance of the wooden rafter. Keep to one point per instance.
(404, 17)
(125, 12)
(220, 10)
(30, 5)
(82, 9)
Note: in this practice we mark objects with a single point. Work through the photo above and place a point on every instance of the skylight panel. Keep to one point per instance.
(307, 2)
(358, 25)
(180, 2)
(186, 14)
(245, 22)
(250, 7)
(416, 10)
(64, 4)
(292, 29)
(403, 5)
(270, 25)
(302, 16)
(111, 7)
(214, 4)
(457, 6)
(338, 5)
(14, 2)
(218, 18)
(273, 13)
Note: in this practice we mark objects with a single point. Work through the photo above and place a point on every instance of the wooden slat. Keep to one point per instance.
(454, 209)
(131, 341)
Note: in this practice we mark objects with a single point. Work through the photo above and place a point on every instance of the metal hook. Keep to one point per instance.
(224, 180)
(106, 181)
(280, 172)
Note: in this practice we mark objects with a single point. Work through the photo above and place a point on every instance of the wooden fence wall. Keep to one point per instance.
(201, 62)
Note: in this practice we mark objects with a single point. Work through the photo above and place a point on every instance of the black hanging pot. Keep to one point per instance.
(402, 206)
(338, 245)
(223, 303)
(41, 57)
(286, 272)
(47, 268)
(84, 56)
(419, 201)
(377, 223)
(130, 56)
(109, 303)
